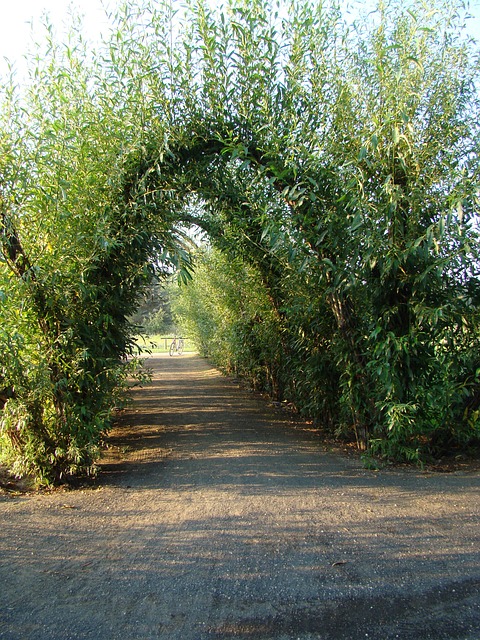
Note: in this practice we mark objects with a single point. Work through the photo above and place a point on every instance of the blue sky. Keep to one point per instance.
(15, 30)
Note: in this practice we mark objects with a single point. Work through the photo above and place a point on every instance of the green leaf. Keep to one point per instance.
(362, 154)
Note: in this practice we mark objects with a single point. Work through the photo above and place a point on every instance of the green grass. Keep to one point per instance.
(160, 343)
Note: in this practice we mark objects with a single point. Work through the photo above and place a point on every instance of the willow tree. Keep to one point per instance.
(412, 205)
(79, 239)
(335, 159)
(369, 135)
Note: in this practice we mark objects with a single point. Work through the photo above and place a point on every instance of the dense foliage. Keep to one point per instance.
(334, 167)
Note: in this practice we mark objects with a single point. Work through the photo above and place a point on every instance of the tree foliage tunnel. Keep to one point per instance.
(333, 164)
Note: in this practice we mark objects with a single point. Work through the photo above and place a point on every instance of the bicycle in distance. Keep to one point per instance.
(176, 346)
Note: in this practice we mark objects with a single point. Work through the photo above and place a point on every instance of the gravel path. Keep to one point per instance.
(218, 516)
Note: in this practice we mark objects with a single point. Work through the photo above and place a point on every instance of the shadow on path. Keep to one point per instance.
(218, 516)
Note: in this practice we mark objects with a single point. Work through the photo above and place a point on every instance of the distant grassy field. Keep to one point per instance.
(161, 343)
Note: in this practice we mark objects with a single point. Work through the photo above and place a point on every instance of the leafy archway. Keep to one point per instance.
(338, 162)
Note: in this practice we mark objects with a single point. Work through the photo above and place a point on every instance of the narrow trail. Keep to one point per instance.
(217, 516)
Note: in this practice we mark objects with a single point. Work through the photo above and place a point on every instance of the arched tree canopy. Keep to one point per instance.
(333, 163)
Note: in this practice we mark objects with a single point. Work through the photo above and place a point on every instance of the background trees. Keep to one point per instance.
(334, 167)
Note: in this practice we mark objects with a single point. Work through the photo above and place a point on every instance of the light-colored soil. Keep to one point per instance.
(217, 516)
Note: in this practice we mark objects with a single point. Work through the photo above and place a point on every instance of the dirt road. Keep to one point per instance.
(218, 516)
